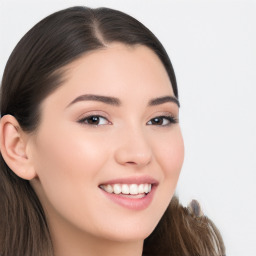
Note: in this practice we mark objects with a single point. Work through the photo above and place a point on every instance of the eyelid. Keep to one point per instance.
(94, 113)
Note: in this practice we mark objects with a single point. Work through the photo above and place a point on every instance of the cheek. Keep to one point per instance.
(67, 164)
(69, 153)
(170, 158)
(171, 154)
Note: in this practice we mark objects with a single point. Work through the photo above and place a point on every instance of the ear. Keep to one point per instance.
(14, 148)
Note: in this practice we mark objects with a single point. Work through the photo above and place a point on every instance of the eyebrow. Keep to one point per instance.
(92, 97)
(116, 102)
(164, 99)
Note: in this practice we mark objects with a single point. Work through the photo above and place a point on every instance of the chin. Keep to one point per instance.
(128, 232)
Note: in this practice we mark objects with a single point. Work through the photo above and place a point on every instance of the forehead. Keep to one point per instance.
(116, 70)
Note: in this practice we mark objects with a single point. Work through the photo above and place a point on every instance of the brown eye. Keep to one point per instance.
(94, 120)
(162, 120)
(157, 121)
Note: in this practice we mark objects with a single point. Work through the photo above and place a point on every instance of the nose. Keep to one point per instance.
(133, 149)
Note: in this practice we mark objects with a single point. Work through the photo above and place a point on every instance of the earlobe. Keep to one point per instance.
(13, 145)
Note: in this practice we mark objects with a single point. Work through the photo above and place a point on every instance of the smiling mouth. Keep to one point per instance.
(127, 190)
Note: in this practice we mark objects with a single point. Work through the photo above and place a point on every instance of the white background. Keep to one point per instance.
(212, 45)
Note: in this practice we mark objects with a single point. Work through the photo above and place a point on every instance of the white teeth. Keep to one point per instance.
(117, 189)
(133, 189)
(109, 188)
(146, 188)
(125, 189)
(141, 188)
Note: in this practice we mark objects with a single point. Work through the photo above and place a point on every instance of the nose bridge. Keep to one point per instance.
(133, 147)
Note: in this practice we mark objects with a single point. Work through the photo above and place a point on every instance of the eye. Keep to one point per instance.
(163, 120)
(94, 120)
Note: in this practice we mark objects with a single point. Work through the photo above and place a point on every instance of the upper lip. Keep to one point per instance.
(132, 180)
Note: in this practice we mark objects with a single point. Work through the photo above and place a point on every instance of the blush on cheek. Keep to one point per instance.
(174, 153)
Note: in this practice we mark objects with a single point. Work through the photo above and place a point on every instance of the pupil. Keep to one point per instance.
(93, 120)
(157, 121)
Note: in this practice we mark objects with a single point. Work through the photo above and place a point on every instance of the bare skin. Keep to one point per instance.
(69, 156)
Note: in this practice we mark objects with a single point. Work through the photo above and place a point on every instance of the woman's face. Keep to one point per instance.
(110, 126)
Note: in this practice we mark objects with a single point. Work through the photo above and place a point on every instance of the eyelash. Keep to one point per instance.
(171, 120)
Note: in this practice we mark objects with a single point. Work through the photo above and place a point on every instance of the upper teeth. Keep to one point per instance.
(132, 189)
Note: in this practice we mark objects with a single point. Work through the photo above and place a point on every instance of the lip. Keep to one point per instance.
(132, 203)
(132, 180)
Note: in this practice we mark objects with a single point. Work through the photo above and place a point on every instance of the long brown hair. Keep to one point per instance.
(33, 71)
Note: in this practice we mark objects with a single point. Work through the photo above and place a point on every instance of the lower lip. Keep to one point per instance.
(132, 203)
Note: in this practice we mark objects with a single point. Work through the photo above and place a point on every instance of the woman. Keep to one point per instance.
(91, 148)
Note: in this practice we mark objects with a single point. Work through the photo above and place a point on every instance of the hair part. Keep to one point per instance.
(34, 70)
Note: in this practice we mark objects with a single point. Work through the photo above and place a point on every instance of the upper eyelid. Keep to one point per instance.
(106, 115)
(164, 114)
(156, 111)
(94, 113)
